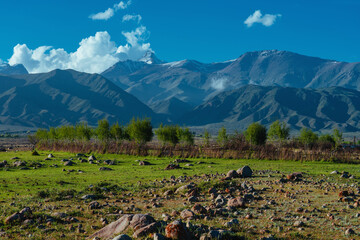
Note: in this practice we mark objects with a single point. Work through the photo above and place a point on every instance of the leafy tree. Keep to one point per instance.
(41, 134)
(66, 133)
(327, 138)
(103, 130)
(140, 131)
(307, 136)
(185, 136)
(278, 131)
(53, 133)
(222, 137)
(256, 134)
(117, 132)
(206, 138)
(338, 136)
(168, 134)
(83, 131)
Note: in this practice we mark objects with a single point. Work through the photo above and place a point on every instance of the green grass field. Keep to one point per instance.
(127, 172)
(20, 188)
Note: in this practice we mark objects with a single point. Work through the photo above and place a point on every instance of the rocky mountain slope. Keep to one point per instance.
(65, 97)
(321, 109)
(193, 82)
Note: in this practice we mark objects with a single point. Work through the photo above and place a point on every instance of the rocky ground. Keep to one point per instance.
(241, 204)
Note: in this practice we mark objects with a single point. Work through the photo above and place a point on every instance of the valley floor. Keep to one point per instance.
(72, 197)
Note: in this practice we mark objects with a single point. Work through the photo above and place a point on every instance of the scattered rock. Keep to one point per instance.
(122, 237)
(69, 163)
(298, 224)
(109, 162)
(232, 174)
(92, 158)
(172, 166)
(50, 156)
(236, 202)
(105, 169)
(245, 172)
(187, 214)
(94, 205)
(177, 230)
(294, 176)
(144, 163)
(349, 231)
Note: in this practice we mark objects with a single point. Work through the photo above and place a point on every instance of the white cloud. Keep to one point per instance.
(129, 17)
(257, 17)
(122, 5)
(219, 84)
(94, 55)
(103, 15)
(110, 11)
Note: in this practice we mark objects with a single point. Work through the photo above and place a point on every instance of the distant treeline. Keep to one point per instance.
(175, 141)
(141, 131)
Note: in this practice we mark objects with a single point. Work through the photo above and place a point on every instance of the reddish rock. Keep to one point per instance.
(177, 230)
(294, 176)
(344, 194)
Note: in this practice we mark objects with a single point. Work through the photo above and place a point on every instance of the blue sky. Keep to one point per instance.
(205, 30)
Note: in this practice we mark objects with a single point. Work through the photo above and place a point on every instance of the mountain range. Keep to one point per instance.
(259, 86)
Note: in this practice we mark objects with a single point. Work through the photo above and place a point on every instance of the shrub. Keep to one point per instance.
(83, 131)
(185, 136)
(168, 134)
(327, 138)
(256, 134)
(278, 131)
(103, 130)
(140, 131)
(222, 137)
(206, 138)
(307, 136)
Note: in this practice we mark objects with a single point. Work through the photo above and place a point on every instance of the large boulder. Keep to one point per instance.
(141, 220)
(177, 230)
(113, 228)
(232, 174)
(245, 172)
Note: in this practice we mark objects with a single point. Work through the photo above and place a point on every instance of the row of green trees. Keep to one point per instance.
(257, 134)
(141, 131)
(138, 130)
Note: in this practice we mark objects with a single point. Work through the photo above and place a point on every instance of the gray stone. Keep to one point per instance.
(245, 172)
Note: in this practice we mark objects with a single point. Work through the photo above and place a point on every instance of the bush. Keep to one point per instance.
(307, 136)
(256, 134)
(222, 137)
(103, 130)
(327, 139)
(278, 131)
(140, 131)
(168, 134)
(83, 131)
(185, 136)
(206, 138)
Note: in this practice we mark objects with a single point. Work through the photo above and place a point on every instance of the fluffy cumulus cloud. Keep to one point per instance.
(257, 17)
(129, 17)
(94, 55)
(110, 11)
